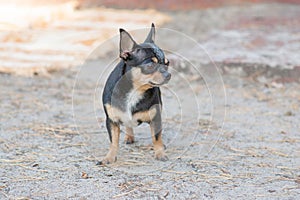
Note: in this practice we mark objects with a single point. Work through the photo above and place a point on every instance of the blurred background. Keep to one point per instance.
(41, 36)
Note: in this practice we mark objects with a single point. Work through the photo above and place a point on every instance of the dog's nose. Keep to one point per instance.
(168, 76)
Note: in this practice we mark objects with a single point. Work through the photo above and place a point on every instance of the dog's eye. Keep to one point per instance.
(167, 62)
(154, 59)
(149, 68)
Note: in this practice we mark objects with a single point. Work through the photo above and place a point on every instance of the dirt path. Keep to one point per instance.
(43, 155)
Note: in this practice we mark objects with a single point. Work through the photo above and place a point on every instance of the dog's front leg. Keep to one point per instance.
(156, 132)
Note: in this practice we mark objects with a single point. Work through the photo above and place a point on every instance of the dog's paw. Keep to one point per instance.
(129, 139)
(161, 155)
(107, 160)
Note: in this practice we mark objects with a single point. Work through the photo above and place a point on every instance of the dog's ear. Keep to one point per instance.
(127, 44)
(151, 36)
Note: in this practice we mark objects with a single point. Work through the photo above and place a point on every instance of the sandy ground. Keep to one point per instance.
(227, 137)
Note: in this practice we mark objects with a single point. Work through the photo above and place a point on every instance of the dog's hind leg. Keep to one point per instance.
(129, 137)
(114, 135)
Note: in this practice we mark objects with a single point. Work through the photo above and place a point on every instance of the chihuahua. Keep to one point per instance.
(132, 96)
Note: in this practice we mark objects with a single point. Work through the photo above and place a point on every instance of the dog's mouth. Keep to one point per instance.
(165, 80)
(155, 84)
(158, 84)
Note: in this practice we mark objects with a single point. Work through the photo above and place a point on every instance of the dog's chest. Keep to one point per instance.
(132, 99)
(126, 117)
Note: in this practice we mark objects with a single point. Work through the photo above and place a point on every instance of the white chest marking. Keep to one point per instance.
(133, 97)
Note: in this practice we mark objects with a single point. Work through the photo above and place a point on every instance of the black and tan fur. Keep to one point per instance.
(132, 96)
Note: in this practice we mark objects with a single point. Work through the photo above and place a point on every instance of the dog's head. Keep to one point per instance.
(147, 61)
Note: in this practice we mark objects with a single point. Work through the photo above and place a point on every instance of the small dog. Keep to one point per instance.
(132, 96)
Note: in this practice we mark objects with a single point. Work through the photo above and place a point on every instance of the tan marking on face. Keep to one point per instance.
(157, 78)
(166, 61)
(141, 81)
(154, 59)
